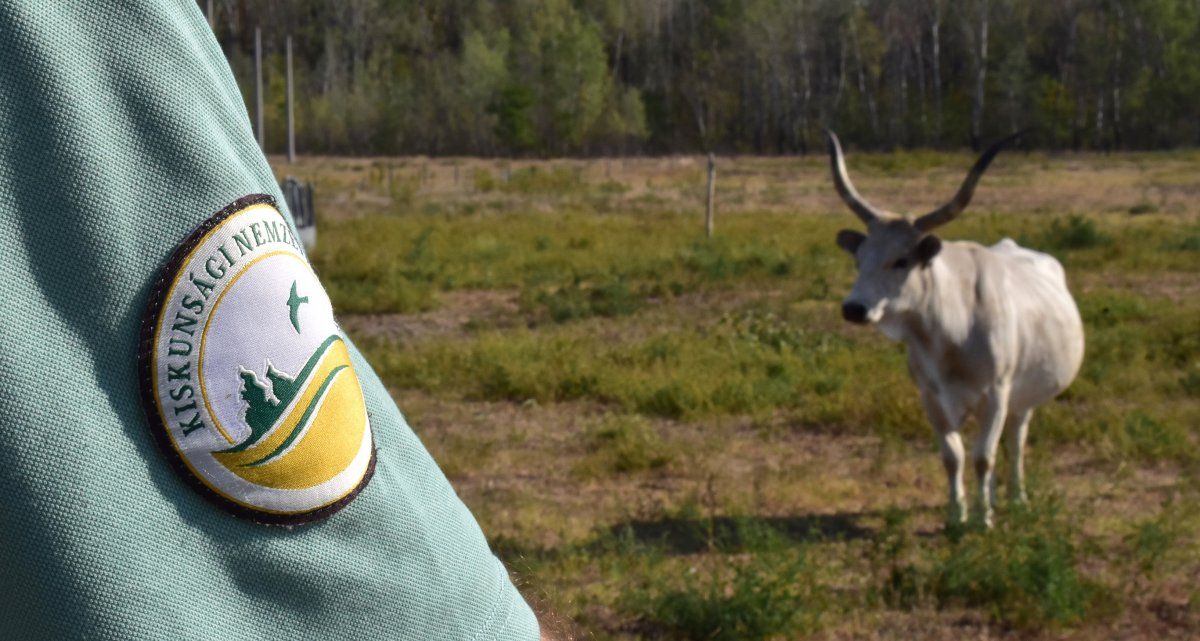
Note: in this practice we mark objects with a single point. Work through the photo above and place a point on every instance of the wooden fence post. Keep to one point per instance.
(712, 190)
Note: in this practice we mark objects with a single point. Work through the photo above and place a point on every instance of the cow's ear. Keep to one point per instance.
(928, 248)
(849, 240)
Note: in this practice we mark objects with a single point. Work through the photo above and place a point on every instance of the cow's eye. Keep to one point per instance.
(901, 263)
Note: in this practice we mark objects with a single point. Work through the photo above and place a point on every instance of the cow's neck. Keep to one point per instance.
(942, 317)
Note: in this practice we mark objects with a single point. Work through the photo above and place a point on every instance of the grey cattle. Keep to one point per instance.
(991, 331)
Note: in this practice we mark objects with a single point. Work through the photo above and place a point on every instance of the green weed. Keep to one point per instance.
(537, 180)
(771, 592)
(1189, 243)
(579, 300)
(1024, 573)
(623, 444)
(484, 181)
(677, 373)
(1152, 540)
(899, 582)
(1076, 232)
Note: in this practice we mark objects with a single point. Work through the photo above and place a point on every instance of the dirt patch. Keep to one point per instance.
(457, 312)
(517, 466)
(1173, 286)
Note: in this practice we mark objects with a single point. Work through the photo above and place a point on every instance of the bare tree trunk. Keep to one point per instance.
(981, 53)
(806, 95)
(616, 63)
(1077, 127)
(922, 93)
(935, 34)
(1067, 66)
(1115, 75)
(901, 110)
(698, 113)
(1013, 107)
(864, 88)
(841, 79)
(330, 76)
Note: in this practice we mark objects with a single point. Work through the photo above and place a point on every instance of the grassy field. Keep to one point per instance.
(666, 436)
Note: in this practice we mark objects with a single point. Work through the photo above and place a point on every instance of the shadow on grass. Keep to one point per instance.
(686, 535)
(696, 535)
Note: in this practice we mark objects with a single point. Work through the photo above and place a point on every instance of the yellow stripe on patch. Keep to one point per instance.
(329, 439)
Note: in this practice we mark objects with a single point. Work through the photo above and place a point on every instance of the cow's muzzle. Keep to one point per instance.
(854, 312)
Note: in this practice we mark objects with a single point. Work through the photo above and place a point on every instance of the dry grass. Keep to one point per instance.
(904, 182)
(601, 507)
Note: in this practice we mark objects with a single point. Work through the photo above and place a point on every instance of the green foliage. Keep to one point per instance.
(623, 444)
(594, 265)
(612, 299)
(720, 260)
(766, 329)
(535, 180)
(483, 180)
(672, 374)
(577, 300)
(775, 591)
(1144, 349)
(899, 582)
(514, 108)
(1025, 573)
(1189, 243)
(1076, 232)
(1189, 381)
(564, 77)
(1152, 541)
(725, 364)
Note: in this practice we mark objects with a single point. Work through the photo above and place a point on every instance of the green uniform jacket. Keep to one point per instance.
(121, 132)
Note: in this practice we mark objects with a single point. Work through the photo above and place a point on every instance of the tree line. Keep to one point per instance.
(590, 77)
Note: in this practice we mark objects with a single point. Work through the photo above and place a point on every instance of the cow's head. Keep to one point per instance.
(896, 250)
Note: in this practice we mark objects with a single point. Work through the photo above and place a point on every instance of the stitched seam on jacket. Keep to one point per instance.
(505, 602)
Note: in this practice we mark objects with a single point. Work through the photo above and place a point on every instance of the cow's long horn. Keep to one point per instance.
(845, 189)
(952, 209)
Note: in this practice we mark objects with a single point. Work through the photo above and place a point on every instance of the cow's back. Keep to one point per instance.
(1050, 330)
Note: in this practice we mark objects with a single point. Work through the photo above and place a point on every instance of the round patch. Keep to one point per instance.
(246, 377)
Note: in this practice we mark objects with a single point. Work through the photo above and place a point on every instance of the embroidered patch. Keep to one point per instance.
(246, 378)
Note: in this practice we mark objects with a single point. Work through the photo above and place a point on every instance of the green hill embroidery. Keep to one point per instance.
(263, 410)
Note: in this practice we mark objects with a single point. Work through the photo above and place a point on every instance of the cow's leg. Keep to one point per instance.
(954, 456)
(991, 423)
(1018, 429)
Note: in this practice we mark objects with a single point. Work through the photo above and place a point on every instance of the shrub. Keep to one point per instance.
(484, 180)
(579, 300)
(1076, 232)
(899, 582)
(624, 444)
(771, 592)
(538, 180)
(1189, 243)
(1024, 573)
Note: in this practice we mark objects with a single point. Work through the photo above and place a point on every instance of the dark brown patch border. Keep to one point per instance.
(154, 420)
